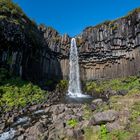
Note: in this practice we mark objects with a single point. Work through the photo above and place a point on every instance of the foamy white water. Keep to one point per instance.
(74, 89)
(9, 135)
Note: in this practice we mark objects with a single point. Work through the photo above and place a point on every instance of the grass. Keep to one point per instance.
(128, 106)
(16, 93)
(129, 84)
(111, 24)
(11, 13)
(91, 133)
(72, 122)
(103, 134)
(87, 112)
(7, 6)
(135, 111)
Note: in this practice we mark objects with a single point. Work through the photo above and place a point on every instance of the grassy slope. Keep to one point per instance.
(129, 103)
(130, 84)
(16, 93)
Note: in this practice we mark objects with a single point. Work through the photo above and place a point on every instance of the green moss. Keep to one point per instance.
(91, 133)
(103, 133)
(135, 111)
(7, 6)
(137, 10)
(128, 84)
(62, 85)
(93, 86)
(19, 96)
(119, 135)
(72, 122)
(15, 92)
(134, 91)
(111, 24)
(87, 112)
(12, 14)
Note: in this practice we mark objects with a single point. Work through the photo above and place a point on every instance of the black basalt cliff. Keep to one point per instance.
(111, 49)
(37, 53)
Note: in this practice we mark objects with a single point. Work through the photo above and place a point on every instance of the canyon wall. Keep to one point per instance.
(111, 49)
(39, 53)
(23, 49)
(106, 51)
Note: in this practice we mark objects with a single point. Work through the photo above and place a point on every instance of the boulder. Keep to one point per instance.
(97, 102)
(2, 126)
(113, 126)
(104, 117)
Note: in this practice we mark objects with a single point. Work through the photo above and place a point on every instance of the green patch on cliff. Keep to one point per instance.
(10, 10)
(24, 29)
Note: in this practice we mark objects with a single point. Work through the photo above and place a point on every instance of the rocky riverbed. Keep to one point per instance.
(61, 121)
(47, 122)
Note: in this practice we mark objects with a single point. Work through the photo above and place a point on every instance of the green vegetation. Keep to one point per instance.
(72, 122)
(11, 10)
(91, 133)
(111, 24)
(103, 133)
(16, 93)
(62, 85)
(11, 13)
(131, 83)
(118, 135)
(135, 111)
(9, 6)
(137, 10)
(129, 103)
(87, 112)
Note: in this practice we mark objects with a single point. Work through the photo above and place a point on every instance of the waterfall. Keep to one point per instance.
(74, 88)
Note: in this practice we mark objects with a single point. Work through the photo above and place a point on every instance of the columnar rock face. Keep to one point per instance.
(38, 53)
(111, 49)
(106, 51)
(23, 49)
(59, 45)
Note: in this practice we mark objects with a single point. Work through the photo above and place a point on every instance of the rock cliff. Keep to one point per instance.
(111, 49)
(23, 49)
(108, 50)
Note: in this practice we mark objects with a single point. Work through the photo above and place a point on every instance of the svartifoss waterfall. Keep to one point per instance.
(74, 88)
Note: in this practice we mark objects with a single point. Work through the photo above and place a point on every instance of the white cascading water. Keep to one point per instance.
(74, 89)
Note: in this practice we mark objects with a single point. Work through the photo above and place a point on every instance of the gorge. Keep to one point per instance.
(106, 51)
(36, 63)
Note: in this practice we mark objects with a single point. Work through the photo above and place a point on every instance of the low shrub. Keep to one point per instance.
(62, 86)
(16, 93)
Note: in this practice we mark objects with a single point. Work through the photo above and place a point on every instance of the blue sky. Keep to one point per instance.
(72, 16)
